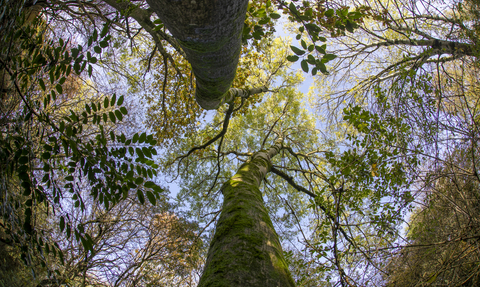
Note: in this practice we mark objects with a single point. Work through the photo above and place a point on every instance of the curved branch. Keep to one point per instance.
(142, 17)
(226, 121)
(243, 93)
(439, 47)
(290, 181)
(329, 215)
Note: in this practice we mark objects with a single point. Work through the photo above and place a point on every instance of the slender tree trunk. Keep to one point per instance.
(245, 250)
(209, 31)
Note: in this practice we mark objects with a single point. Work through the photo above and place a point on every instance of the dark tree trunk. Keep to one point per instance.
(209, 32)
(245, 250)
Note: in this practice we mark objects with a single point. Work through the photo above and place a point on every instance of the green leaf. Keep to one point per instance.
(123, 110)
(142, 137)
(140, 196)
(113, 100)
(329, 57)
(304, 65)
(274, 15)
(329, 13)
(157, 188)
(355, 15)
(23, 160)
(105, 102)
(321, 66)
(104, 30)
(112, 117)
(264, 21)
(27, 188)
(149, 184)
(76, 67)
(260, 12)
(304, 44)
(120, 101)
(75, 52)
(257, 36)
(312, 28)
(42, 84)
(158, 27)
(86, 244)
(311, 60)
(139, 152)
(297, 50)
(97, 49)
(151, 198)
(342, 12)
(146, 152)
(320, 49)
(90, 240)
(46, 155)
(62, 223)
(292, 8)
(139, 180)
(119, 115)
(27, 226)
(349, 26)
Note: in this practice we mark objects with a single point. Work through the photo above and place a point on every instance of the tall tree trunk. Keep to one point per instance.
(245, 250)
(209, 31)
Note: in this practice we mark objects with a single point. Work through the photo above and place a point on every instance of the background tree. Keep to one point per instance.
(400, 102)
(402, 72)
(56, 139)
(443, 235)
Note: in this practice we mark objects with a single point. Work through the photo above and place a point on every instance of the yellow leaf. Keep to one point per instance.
(374, 169)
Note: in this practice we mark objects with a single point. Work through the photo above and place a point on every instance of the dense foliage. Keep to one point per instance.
(111, 174)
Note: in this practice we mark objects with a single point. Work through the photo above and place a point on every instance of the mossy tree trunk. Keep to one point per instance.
(245, 250)
(209, 31)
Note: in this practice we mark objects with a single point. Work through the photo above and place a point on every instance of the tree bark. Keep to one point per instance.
(209, 31)
(245, 250)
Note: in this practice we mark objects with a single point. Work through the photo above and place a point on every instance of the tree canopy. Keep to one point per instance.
(175, 143)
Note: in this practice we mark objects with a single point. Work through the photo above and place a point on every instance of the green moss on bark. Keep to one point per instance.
(245, 250)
